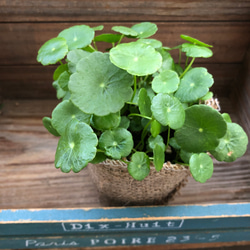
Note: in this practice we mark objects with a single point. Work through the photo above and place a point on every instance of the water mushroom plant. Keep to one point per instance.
(131, 102)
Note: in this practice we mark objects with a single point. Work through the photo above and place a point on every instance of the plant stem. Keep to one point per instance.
(144, 132)
(120, 39)
(135, 87)
(92, 47)
(95, 45)
(132, 103)
(100, 151)
(168, 137)
(140, 115)
(60, 62)
(187, 68)
(127, 162)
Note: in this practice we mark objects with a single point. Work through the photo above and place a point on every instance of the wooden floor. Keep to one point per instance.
(28, 178)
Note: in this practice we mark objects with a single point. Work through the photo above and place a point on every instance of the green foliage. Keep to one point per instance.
(139, 166)
(116, 143)
(168, 110)
(136, 58)
(110, 86)
(132, 102)
(202, 129)
(78, 36)
(201, 167)
(194, 85)
(233, 145)
(76, 147)
(52, 51)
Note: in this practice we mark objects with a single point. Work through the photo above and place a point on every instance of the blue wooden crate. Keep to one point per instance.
(124, 226)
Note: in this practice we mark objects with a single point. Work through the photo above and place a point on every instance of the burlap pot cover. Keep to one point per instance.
(117, 187)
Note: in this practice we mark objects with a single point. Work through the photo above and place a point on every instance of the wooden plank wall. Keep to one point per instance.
(26, 24)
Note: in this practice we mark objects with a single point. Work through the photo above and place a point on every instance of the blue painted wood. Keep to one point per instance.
(122, 226)
(41, 215)
(125, 240)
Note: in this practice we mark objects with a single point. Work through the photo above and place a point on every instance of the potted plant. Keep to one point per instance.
(132, 113)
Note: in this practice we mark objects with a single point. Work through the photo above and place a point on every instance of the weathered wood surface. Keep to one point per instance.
(157, 10)
(26, 25)
(204, 246)
(27, 174)
(28, 178)
(241, 93)
(22, 77)
(21, 41)
(125, 226)
(36, 81)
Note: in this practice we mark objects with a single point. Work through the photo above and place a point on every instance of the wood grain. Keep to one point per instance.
(241, 93)
(28, 178)
(204, 246)
(35, 82)
(21, 41)
(140, 10)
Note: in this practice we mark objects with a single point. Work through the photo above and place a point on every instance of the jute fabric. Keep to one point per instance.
(117, 187)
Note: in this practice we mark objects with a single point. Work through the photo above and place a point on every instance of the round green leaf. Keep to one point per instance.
(155, 128)
(151, 42)
(202, 129)
(168, 110)
(108, 38)
(78, 36)
(139, 166)
(47, 124)
(195, 41)
(151, 93)
(76, 148)
(167, 60)
(173, 143)
(208, 96)
(137, 58)
(99, 87)
(106, 122)
(59, 70)
(193, 50)
(178, 69)
(185, 156)
(233, 145)
(100, 157)
(194, 85)
(145, 29)
(159, 157)
(125, 31)
(201, 167)
(144, 103)
(74, 56)
(64, 113)
(125, 122)
(60, 93)
(52, 51)
(166, 82)
(152, 141)
(63, 80)
(117, 143)
(98, 28)
(226, 117)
